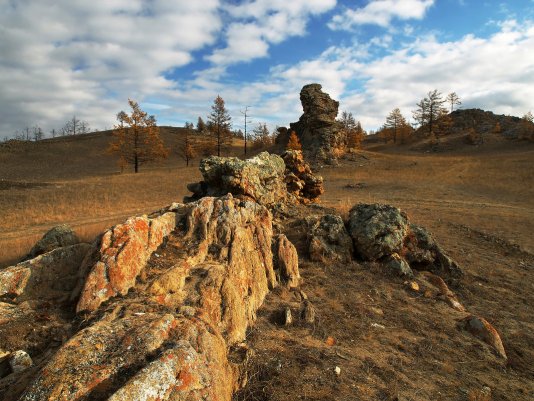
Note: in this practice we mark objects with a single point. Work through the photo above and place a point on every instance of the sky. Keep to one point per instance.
(60, 58)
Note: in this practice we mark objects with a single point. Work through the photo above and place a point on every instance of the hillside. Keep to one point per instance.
(388, 341)
(467, 130)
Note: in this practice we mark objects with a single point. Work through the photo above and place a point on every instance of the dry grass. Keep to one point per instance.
(73, 180)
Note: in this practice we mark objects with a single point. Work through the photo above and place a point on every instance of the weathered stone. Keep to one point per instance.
(288, 318)
(49, 276)
(169, 338)
(57, 237)
(19, 361)
(229, 264)
(398, 265)
(319, 133)
(444, 290)
(300, 181)
(120, 256)
(286, 261)
(328, 239)
(482, 329)
(422, 250)
(259, 178)
(308, 312)
(377, 230)
(99, 360)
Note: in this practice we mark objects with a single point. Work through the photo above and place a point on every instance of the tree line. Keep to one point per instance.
(73, 126)
(136, 138)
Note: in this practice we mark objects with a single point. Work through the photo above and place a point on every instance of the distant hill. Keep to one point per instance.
(77, 156)
(485, 122)
(467, 127)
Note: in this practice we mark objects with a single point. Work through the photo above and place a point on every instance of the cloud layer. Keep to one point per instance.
(73, 57)
(77, 57)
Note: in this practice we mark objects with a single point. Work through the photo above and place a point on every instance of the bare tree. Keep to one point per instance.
(245, 114)
(75, 126)
(37, 133)
(453, 99)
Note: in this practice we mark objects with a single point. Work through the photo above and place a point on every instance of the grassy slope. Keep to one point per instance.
(477, 201)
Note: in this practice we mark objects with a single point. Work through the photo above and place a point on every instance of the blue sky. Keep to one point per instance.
(87, 58)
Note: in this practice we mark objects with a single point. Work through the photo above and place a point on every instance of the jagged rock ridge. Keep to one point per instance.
(163, 330)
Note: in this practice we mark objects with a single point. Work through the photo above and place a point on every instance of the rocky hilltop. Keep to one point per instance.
(160, 307)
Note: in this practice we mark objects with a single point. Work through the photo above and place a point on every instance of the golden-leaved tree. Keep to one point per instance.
(136, 138)
(293, 143)
(397, 125)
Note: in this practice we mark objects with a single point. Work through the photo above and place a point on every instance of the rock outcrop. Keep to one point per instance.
(286, 261)
(482, 329)
(266, 179)
(260, 178)
(164, 299)
(57, 237)
(50, 276)
(380, 231)
(328, 239)
(119, 257)
(319, 133)
(300, 181)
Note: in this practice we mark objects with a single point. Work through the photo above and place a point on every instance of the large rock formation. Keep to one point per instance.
(383, 232)
(164, 299)
(259, 178)
(319, 133)
(267, 179)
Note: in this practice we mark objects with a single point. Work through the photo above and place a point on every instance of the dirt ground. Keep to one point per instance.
(389, 342)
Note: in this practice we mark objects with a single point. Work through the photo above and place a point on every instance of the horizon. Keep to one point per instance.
(174, 59)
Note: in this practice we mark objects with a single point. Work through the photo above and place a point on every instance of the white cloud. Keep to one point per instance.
(493, 73)
(260, 23)
(380, 12)
(87, 58)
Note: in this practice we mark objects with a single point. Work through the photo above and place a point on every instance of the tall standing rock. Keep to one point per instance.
(317, 129)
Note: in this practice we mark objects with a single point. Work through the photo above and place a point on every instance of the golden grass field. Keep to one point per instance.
(74, 181)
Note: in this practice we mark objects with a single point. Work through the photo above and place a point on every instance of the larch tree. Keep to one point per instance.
(201, 126)
(429, 109)
(261, 136)
(453, 99)
(136, 138)
(186, 147)
(396, 122)
(220, 125)
(355, 136)
(293, 143)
